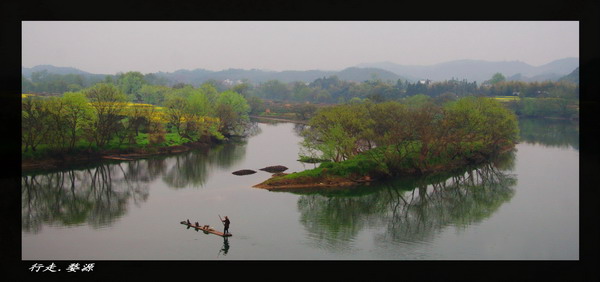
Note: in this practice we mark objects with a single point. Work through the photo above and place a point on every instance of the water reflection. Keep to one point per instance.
(191, 169)
(225, 247)
(550, 132)
(405, 210)
(96, 196)
(99, 195)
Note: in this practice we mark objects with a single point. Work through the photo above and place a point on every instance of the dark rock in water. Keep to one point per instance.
(244, 172)
(274, 169)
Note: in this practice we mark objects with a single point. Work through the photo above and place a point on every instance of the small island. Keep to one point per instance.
(370, 141)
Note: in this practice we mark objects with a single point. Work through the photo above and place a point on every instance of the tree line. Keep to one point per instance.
(329, 89)
(104, 116)
(547, 99)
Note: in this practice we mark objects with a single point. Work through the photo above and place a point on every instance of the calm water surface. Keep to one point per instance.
(523, 206)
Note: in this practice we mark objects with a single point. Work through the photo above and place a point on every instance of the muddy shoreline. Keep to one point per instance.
(324, 182)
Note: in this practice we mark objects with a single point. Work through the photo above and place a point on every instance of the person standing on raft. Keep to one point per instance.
(226, 224)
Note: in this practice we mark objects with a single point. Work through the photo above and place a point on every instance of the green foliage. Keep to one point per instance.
(257, 105)
(153, 94)
(417, 101)
(34, 122)
(232, 110)
(273, 89)
(107, 102)
(394, 138)
(131, 83)
(307, 159)
(496, 78)
(546, 107)
(339, 132)
(46, 82)
(199, 104)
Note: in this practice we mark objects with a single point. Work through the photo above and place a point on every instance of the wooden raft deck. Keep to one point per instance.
(207, 230)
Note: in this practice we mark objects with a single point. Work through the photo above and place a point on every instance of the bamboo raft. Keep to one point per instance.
(207, 230)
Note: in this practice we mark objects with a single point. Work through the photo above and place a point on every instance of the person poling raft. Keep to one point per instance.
(226, 223)
(206, 228)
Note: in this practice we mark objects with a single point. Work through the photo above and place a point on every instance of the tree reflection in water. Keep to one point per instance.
(550, 132)
(101, 194)
(95, 196)
(406, 210)
(192, 169)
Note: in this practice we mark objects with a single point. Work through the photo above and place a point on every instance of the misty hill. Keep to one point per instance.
(90, 77)
(199, 76)
(53, 69)
(572, 77)
(477, 70)
(471, 70)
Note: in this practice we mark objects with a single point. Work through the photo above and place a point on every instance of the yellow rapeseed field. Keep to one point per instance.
(506, 98)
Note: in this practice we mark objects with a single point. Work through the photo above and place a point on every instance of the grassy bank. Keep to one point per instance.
(46, 157)
(377, 164)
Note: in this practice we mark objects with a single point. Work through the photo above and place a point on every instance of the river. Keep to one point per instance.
(524, 206)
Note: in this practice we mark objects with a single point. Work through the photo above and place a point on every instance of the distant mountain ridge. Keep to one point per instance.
(198, 76)
(478, 70)
(471, 70)
(53, 69)
(572, 77)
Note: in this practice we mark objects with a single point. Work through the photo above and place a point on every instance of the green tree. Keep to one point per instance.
(496, 78)
(26, 85)
(176, 107)
(34, 122)
(199, 104)
(243, 89)
(340, 132)
(417, 101)
(130, 83)
(153, 94)
(256, 104)
(58, 132)
(77, 111)
(273, 89)
(108, 103)
(232, 110)
(305, 111)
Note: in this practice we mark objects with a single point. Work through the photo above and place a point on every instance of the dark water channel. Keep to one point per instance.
(523, 206)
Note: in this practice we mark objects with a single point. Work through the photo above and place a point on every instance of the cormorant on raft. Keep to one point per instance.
(206, 229)
(274, 169)
(244, 172)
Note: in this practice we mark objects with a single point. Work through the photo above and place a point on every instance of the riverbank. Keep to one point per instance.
(280, 119)
(64, 160)
(277, 182)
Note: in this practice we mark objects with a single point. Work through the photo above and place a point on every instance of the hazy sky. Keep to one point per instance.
(108, 47)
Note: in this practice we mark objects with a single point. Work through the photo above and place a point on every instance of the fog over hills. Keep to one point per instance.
(198, 76)
(471, 70)
(478, 70)
(52, 69)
